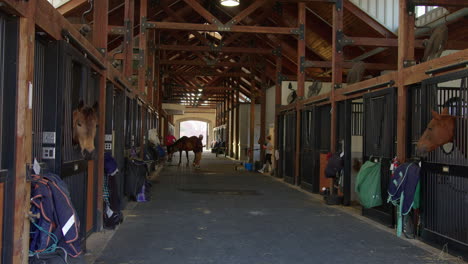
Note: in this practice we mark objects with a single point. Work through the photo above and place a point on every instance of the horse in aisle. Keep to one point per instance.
(187, 144)
(85, 121)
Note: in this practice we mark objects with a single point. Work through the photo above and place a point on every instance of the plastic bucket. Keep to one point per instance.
(249, 166)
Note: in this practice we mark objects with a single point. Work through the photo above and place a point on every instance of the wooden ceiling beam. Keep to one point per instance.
(115, 30)
(246, 12)
(209, 88)
(215, 28)
(378, 42)
(289, 19)
(221, 74)
(179, 18)
(262, 17)
(201, 63)
(349, 65)
(459, 3)
(220, 49)
(210, 18)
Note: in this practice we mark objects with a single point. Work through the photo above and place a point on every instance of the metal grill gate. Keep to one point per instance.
(119, 137)
(310, 163)
(444, 192)
(8, 97)
(345, 121)
(379, 143)
(315, 139)
(65, 76)
(280, 142)
(289, 146)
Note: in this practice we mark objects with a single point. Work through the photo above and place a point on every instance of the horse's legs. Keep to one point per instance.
(180, 157)
(186, 152)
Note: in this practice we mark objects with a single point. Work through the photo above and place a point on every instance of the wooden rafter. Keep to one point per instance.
(201, 63)
(223, 49)
(246, 12)
(214, 28)
(210, 18)
(349, 65)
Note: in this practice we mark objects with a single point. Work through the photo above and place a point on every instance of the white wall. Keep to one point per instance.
(244, 131)
(384, 11)
(326, 87)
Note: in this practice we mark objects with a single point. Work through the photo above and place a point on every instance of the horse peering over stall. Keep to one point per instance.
(439, 131)
(84, 128)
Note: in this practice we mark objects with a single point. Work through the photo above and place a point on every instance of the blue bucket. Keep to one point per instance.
(248, 166)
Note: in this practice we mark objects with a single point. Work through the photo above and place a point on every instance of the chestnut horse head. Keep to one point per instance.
(84, 128)
(439, 131)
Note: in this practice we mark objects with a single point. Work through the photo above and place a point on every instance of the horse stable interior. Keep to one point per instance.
(359, 77)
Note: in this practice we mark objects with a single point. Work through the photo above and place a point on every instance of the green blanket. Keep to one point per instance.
(368, 185)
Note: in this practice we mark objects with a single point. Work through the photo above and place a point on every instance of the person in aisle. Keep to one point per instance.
(198, 150)
(268, 146)
(170, 139)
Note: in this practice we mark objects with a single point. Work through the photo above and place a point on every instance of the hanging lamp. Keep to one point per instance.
(230, 2)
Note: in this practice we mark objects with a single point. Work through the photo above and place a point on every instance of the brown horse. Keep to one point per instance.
(439, 131)
(84, 128)
(187, 144)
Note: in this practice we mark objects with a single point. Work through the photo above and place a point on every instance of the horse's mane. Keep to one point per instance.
(180, 140)
(88, 111)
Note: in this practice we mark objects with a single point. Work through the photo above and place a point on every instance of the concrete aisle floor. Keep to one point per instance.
(272, 224)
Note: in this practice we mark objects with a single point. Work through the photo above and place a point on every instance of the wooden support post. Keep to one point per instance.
(150, 68)
(231, 147)
(300, 86)
(143, 43)
(237, 121)
(226, 114)
(100, 25)
(157, 72)
(301, 51)
(337, 72)
(100, 41)
(337, 68)
(128, 37)
(278, 94)
(263, 116)
(225, 110)
(405, 53)
(23, 138)
(252, 118)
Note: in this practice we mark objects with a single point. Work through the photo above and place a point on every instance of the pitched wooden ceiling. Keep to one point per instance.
(198, 66)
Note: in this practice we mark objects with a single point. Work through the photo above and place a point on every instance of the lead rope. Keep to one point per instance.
(52, 248)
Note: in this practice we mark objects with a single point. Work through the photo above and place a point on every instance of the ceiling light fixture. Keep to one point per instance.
(230, 2)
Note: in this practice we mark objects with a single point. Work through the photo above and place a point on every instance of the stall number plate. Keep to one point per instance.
(108, 146)
(48, 153)
(48, 137)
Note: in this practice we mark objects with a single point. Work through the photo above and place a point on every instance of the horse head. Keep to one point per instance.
(439, 131)
(84, 128)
